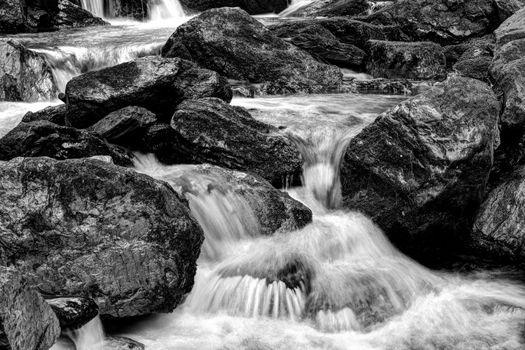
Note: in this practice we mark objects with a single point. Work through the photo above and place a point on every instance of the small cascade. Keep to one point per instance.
(88, 337)
(96, 7)
(166, 9)
(295, 6)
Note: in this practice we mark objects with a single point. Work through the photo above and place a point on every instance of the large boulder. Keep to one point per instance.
(157, 84)
(253, 7)
(26, 321)
(472, 58)
(421, 168)
(441, 21)
(230, 137)
(396, 59)
(90, 228)
(70, 15)
(498, 228)
(507, 8)
(24, 75)
(43, 138)
(12, 18)
(331, 8)
(54, 114)
(231, 42)
(322, 45)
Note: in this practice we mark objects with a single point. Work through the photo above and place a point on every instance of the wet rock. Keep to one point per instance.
(26, 321)
(507, 8)
(418, 61)
(24, 74)
(383, 86)
(239, 47)
(322, 45)
(498, 229)
(470, 49)
(122, 343)
(229, 137)
(53, 114)
(275, 210)
(477, 68)
(135, 9)
(333, 8)
(125, 126)
(250, 6)
(441, 21)
(73, 312)
(168, 145)
(89, 228)
(11, 16)
(420, 169)
(157, 84)
(70, 15)
(43, 138)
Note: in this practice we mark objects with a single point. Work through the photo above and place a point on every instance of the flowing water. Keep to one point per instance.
(337, 283)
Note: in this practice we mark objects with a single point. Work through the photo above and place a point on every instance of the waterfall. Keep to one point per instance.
(295, 6)
(166, 9)
(96, 7)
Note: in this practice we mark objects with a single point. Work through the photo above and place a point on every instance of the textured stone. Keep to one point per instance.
(73, 312)
(253, 7)
(11, 16)
(53, 114)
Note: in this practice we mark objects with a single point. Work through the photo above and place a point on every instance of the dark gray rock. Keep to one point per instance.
(70, 15)
(73, 312)
(26, 321)
(231, 42)
(420, 169)
(125, 127)
(12, 18)
(157, 84)
(43, 138)
(93, 229)
(229, 137)
(417, 60)
(53, 114)
(24, 74)
(333, 8)
(507, 8)
(253, 7)
(122, 343)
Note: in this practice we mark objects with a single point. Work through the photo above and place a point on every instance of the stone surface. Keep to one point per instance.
(253, 7)
(122, 343)
(70, 15)
(125, 126)
(229, 137)
(93, 229)
(332, 8)
(53, 114)
(498, 228)
(231, 42)
(11, 16)
(421, 168)
(441, 21)
(322, 45)
(73, 312)
(402, 60)
(26, 321)
(157, 84)
(43, 138)
(24, 74)
(507, 8)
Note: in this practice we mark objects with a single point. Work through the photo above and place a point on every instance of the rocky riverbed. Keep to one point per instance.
(264, 174)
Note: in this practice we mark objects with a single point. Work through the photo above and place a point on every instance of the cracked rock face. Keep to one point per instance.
(26, 321)
(93, 229)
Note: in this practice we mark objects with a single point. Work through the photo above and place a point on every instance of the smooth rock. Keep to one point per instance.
(421, 168)
(90, 228)
(73, 312)
(230, 137)
(24, 75)
(26, 321)
(231, 42)
(157, 84)
(43, 138)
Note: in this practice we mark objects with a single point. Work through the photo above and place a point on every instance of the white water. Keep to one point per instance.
(12, 112)
(295, 6)
(96, 7)
(166, 9)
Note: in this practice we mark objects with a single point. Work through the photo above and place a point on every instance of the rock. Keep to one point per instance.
(421, 168)
(125, 126)
(239, 47)
(26, 321)
(333, 8)
(250, 6)
(383, 86)
(346, 30)
(24, 74)
(157, 84)
(507, 8)
(477, 68)
(53, 114)
(71, 15)
(168, 145)
(135, 9)
(73, 312)
(276, 211)
(11, 16)
(228, 136)
(89, 228)
(323, 45)
(43, 138)
(122, 343)
(441, 21)
(418, 61)
(498, 229)
(470, 49)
